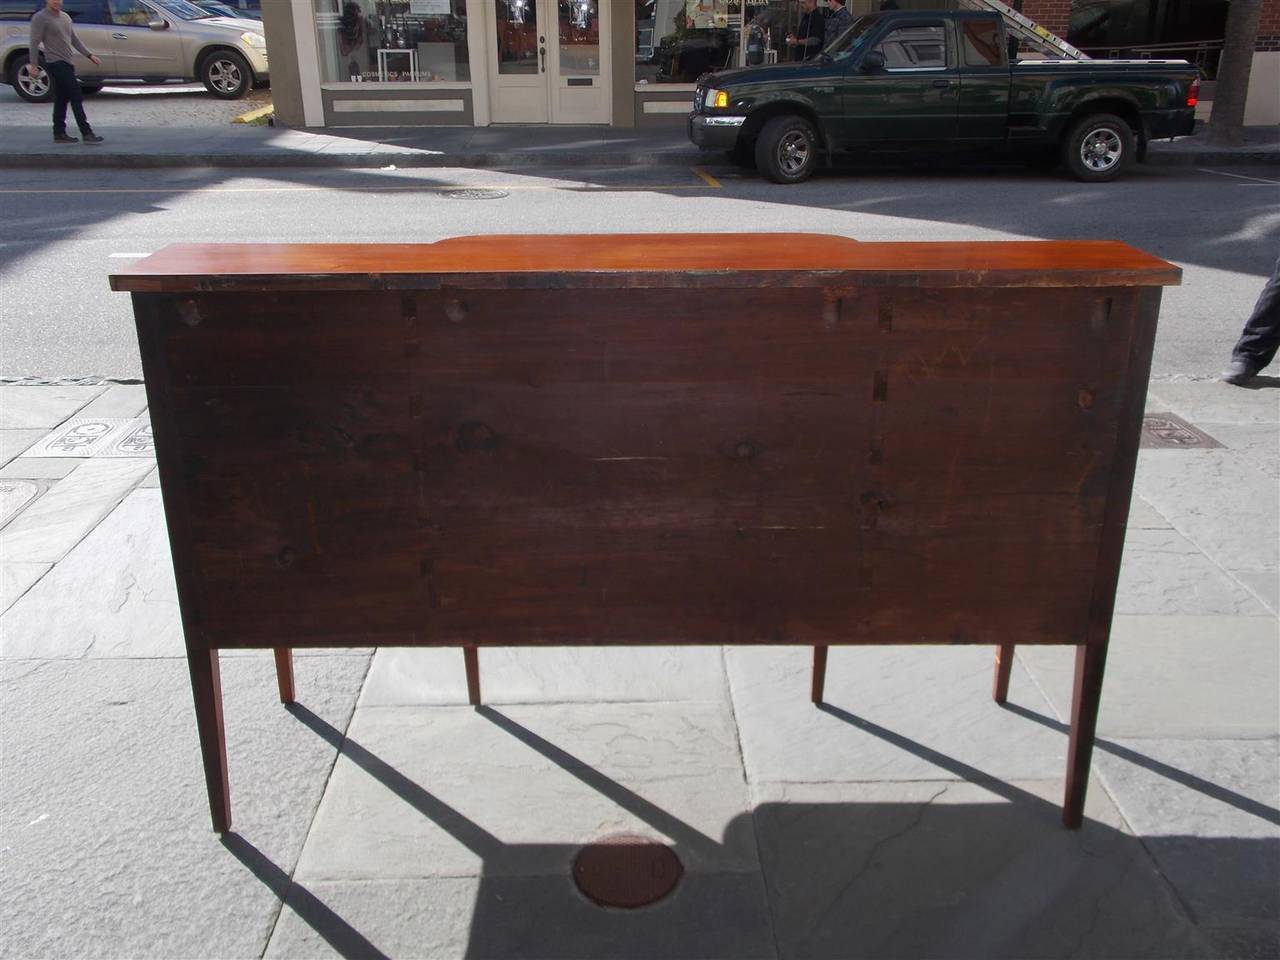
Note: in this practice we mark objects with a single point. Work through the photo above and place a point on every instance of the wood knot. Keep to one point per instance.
(455, 310)
(877, 499)
(285, 558)
(189, 313)
(1085, 399)
(474, 435)
(745, 450)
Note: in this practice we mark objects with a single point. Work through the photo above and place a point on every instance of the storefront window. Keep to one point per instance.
(679, 40)
(392, 41)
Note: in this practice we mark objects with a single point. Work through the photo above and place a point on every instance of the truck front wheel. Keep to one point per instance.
(787, 149)
(1099, 148)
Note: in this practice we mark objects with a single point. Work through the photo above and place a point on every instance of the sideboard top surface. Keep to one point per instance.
(657, 259)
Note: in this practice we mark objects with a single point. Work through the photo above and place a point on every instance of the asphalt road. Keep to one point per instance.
(64, 232)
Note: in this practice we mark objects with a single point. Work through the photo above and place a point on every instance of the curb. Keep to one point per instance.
(560, 158)
(354, 160)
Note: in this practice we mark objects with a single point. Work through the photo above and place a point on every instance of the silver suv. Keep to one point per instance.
(150, 40)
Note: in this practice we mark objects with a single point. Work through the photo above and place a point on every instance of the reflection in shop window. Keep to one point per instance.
(679, 40)
(392, 41)
(517, 36)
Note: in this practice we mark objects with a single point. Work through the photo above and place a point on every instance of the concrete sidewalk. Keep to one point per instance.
(908, 817)
(507, 146)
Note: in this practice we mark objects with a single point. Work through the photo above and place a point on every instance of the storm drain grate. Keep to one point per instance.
(625, 870)
(475, 194)
(1164, 431)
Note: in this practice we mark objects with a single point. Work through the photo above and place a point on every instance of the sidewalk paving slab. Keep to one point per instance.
(1177, 677)
(108, 849)
(1177, 794)
(936, 696)
(402, 676)
(960, 870)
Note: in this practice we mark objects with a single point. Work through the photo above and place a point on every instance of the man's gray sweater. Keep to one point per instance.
(57, 34)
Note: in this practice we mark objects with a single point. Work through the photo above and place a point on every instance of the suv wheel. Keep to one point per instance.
(35, 89)
(1099, 148)
(226, 75)
(787, 149)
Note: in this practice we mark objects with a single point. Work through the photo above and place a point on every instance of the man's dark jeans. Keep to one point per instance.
(1261, 336)
(66, 89)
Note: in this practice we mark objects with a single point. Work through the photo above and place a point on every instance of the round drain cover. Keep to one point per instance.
(475, 194)
(625, 870)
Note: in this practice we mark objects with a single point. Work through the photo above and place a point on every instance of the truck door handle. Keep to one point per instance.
(942, 83)
(119, 36)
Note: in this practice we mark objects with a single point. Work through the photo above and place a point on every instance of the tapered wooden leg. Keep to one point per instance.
(819, 672)
(284, 673)
(471, 657)
(1004, 666)
(206, 688)
(1087, 694)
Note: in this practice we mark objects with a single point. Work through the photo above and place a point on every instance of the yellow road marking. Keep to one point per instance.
(253, 115)
(708, 178)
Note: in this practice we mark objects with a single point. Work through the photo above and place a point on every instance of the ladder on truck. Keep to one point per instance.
(1024, 28)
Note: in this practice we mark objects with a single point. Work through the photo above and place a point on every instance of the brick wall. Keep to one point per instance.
(1269, 26)
(1055, 15)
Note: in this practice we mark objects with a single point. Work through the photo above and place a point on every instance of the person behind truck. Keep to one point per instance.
(838, 21)
(806, 42)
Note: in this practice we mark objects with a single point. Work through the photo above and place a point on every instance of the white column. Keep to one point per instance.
(304, 32)
(480, 46)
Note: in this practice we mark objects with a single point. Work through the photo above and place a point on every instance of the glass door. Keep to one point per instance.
(579, 81)
(517, 74)
(551, 62)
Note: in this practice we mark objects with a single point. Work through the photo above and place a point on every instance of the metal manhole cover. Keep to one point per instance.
(475, 194)
(625, 870)
(1164, 431)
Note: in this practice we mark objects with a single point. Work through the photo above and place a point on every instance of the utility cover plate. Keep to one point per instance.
(1164, 431)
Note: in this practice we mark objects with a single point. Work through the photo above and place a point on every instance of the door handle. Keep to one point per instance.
(542, 52)
(119, 36)
(942, 83)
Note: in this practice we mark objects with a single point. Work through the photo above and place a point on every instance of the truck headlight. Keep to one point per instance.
(256, 40)
(717, 98)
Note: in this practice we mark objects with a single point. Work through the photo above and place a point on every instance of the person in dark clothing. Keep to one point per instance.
(806, 42)
(1257, 344)
(838, 21)
(52, 28)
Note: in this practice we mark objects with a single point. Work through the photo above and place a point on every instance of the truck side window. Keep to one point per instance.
(917, 47)
(981, 42)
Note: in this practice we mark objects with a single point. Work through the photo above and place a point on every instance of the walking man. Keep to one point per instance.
(1261, 337)
(53, 28)
(838, 21)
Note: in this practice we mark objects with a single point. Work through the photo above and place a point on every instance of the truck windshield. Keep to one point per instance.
(848, 42)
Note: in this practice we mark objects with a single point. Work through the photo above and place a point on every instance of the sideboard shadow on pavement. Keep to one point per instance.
(646, 439)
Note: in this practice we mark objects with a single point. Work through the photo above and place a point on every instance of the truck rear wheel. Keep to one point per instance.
(1099, 148)
(787, 149)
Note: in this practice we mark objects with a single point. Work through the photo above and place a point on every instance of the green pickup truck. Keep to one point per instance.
(917, 82)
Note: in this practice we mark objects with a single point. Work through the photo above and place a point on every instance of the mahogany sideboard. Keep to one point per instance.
(646, 439)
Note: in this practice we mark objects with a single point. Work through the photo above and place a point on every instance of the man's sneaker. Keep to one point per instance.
(64, 138)
(1238, 372)
(91, 137)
